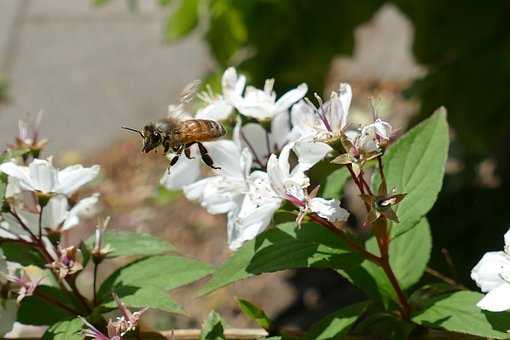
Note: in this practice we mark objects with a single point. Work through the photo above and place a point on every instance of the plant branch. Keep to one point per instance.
(94, 284)
(406, 309)
(445, 278)
(350, 242)
(40, 221)
(381, 169)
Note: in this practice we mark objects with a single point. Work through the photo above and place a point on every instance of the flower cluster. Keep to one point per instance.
(275, 141)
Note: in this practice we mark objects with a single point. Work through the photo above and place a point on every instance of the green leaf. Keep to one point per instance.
(147, 296)
(335, 182)
(415, 165)
(128, 243)
(37, 311)
(458, 312)
(337, 324)
(284, 247)
(164, 272)
(227, 31)
(22, 253)
(409, 254)
(212, 328)
(182, 21)
(64, 330)
(255, 313)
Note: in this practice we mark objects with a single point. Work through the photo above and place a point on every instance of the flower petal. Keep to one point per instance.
(21, 173)
(218, 110)
(184, 172)
(280, 130)
(73, 177)
(227, 155)
(43, 175)
(497, 300)
(289, 98)
(84, 208)
(487, 273)
(309, 153)
(329, 209)
(256, 136)
(55, 212)
(249, 220)
(304, 120)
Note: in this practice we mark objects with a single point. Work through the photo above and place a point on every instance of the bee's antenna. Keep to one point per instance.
(134, 130)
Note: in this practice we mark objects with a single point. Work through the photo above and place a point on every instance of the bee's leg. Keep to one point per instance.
(205, 156)
(166, 146)
(187, 150)
(178, 152)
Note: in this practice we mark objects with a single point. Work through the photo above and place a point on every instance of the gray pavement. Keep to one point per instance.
(90, 69)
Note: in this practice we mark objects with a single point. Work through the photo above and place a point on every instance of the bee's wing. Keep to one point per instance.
(189, 92)
(186, 96)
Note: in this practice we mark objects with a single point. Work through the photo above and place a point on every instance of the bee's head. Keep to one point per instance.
(150, 135)
(151, 138)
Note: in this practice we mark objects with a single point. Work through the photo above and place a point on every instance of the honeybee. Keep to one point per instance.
(177, 134)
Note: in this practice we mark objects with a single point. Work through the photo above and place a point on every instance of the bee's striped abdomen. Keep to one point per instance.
(200, 130)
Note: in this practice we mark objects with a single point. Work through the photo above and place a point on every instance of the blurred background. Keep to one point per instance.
(93, 66)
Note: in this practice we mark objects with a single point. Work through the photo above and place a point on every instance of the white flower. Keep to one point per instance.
(220, 107)
(56, 216)
(184, 172)
(328, 209)
(262, 104)
(221, 193)
(292, 184)
(41, 176)
(255, 212)
(248, 198)
(262, 143)
(371, 138)
(492, 275)
(314, 127)
(324, 122)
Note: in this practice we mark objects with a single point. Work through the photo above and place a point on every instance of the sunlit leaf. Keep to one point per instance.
(284, 247)
(415, 165)
(129, 243)
(458, 312)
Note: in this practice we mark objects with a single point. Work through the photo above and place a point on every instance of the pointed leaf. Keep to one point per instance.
(64, 330)
(164, 272)
(37, 311)
(128, 243)
(458, 312)
(415, 165)
(147, 296)
(283, 247)
(212, 328)
(335, 183)
(337, 324)
(255, 313)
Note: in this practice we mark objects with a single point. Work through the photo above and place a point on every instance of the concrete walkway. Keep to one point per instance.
(90, 69)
